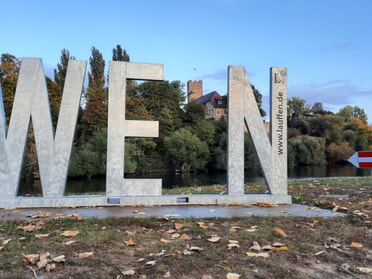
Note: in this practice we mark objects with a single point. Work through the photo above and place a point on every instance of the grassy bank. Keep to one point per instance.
(60, 246)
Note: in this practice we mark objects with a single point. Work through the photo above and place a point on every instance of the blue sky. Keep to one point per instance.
(326, 45)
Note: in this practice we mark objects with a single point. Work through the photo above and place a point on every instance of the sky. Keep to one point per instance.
(326, 45)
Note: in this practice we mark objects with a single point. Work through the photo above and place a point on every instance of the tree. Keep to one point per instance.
(163, 100)
(317, 108)
(185, 151)
(353, 112)
(60, 72)
(194, 112)
(258, 97)
(306, 150)
(94, 115)
(363, 134)
(297, 108)
(118, 54)
(339, 152)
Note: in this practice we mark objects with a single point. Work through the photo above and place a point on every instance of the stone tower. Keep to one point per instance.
(194, 90)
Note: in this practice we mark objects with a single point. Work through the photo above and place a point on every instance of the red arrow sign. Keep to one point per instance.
(361, 159)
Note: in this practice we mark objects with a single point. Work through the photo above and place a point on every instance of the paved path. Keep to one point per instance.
(185, 211)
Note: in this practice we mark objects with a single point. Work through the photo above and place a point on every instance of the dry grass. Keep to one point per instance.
(179, 248)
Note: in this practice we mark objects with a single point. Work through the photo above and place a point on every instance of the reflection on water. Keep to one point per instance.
(172, 180)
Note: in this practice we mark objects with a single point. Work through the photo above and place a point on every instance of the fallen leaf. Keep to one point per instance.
(356, 244)
(262, 255)
(70, 233)
(252, 229)
(59, 259)
(265, 204)
(15, 211)
(175, 235)
(85, 255)
(214, 239)
(128, 271)
(5, 242)
(232, 245)
(165, 240)
(41, 215)
(31, 258)
(28, 228)
(70, 242)
(150, 263)
(42, 235)
(195, 248)
(50, 267)
(256, 246)
(186, 252)
(185, 236)
(1, 248)
(43, 259)
(280, 232)
(234, 229)
(178, 226)
(77, 217)
(130, 242)
(364, 269)
(267, 247)
(278, 244)
(282, 248)
(233, 241)
(202, 225)
(232, 276)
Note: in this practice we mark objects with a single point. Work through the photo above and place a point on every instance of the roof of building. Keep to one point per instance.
(214, 98)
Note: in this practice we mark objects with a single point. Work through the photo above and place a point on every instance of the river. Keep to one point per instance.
(172, 180)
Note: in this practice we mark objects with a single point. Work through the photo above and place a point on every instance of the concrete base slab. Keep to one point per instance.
(184, 211)
(78, 201)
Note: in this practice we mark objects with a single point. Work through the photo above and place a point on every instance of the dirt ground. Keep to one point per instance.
(68, 246)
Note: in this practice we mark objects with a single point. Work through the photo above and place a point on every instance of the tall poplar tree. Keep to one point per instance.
(55, 87)
(94, 115)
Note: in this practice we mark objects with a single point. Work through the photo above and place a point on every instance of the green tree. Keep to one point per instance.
(60, 72)
(120, 54)
(353, 112)
(258, 97)
(89, 158)
(185, 151)
(163, 100)
(306, 150)
(297, 108)
(194, 112)
(94, 114)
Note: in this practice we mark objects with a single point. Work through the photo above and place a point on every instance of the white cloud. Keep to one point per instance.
(337, 92)
(340, 47)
